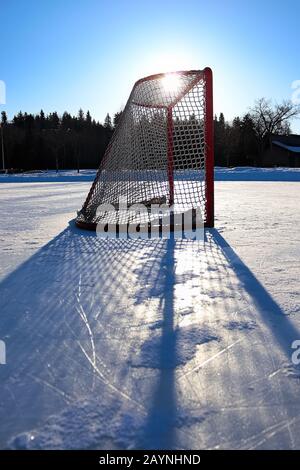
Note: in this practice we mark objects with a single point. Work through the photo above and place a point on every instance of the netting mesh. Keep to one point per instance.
(157, 153)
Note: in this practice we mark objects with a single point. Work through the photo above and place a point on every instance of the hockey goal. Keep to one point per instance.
(161, 151)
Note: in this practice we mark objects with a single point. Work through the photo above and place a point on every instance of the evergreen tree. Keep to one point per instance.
(107, 122)
(249, 141)
(29, 122)
(88, 119)
(3, 118)
(117, 118)
(221, 143)
(66, 120)
(53, 120)
(18, 120)
(42, 119)
(81, 115)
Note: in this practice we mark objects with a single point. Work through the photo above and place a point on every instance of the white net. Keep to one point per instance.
(158, 151)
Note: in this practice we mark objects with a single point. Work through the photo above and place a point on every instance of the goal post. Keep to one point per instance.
(161, 151)
(209, 143)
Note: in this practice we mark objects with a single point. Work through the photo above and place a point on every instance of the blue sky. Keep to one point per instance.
(63, 55)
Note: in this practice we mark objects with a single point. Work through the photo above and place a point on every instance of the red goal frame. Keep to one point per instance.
(209, 140)
(207, 76)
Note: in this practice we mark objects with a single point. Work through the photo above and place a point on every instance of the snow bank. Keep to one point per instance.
(257, 174)
(221, 174)
(49, 176)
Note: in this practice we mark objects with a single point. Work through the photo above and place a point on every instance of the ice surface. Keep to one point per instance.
(150, 344)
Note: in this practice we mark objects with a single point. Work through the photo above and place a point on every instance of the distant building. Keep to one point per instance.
(283, 150)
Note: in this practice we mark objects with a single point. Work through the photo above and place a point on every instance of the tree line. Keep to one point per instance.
(41, 142)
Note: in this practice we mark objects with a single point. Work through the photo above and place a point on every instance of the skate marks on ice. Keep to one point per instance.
(127, 343)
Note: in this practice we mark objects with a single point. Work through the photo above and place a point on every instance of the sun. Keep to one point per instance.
(171, 82)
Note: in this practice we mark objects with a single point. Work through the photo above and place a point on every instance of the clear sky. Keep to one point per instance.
(66, 54)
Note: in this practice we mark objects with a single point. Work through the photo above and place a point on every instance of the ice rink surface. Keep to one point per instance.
(150, 344)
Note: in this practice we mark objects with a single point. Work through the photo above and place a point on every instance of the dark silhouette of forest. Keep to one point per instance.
(42, 142)
(236, 143)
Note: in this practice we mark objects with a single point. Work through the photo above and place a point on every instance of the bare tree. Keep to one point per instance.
(271, 119)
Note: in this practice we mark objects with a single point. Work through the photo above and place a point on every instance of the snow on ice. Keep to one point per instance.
(125, 344)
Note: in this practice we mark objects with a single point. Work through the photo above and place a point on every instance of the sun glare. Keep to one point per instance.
(171, 82)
